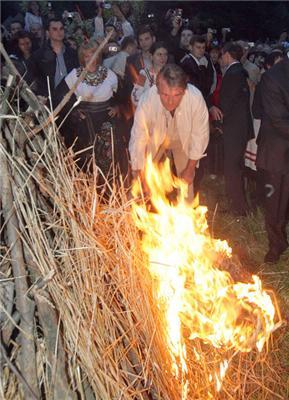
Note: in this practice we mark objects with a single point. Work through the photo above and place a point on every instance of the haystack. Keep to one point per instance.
(79, 318)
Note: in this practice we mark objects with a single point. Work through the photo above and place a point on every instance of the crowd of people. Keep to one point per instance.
(214, 104)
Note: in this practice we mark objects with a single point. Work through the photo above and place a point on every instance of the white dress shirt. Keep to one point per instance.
(153, 126)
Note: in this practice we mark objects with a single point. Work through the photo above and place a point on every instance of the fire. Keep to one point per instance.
(194, 294)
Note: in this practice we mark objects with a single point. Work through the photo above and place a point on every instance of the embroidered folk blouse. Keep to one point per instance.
(99, 89)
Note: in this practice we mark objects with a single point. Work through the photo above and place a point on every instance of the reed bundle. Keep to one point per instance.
(87, 310)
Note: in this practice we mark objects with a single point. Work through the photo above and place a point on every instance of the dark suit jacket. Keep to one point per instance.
(235, 105)
(44, 60)
(199, 76)
(273, 138)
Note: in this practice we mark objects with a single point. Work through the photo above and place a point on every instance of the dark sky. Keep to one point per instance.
(248, 19)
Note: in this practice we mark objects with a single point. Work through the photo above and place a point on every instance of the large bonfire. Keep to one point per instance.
(107, 297)
(197, 300)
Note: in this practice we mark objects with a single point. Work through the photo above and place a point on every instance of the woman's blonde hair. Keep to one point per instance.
(90, 45)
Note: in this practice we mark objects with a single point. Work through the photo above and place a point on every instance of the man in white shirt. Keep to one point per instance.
(171, 115)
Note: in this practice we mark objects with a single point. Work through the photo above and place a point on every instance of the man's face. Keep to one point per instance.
(132, 48)
(160, 57)
(186, 36)
(214, 54)
(225, 59)
(15, 27)
(36, 31)
(170, 97)
(146, 41)
(109, 29)
(56, 31)
(198, 49)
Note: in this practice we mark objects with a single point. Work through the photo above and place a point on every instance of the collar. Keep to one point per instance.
(195, 58)
(50, 47)
(229, 66)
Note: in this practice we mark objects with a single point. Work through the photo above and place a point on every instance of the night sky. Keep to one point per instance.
(250, 20)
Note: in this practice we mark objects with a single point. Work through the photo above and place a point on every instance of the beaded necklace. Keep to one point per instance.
(94, 78)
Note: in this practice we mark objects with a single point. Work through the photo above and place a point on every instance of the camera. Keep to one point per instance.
(70, 15)
(106, 5)
(150, 16)
(112, 49)
(285, 44)
(185, 22)
(227, 29)
(178, 12)
(251, 44)
(213, 31)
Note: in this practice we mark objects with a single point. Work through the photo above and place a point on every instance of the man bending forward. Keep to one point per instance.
(171, 115)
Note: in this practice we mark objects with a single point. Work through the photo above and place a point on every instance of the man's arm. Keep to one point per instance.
(139, 137)
(233, 86)
(200, 130)
(275, 104)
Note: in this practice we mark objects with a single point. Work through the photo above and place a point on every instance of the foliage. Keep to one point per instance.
(42, 4)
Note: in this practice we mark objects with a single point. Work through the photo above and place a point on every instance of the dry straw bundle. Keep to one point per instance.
(92, 327)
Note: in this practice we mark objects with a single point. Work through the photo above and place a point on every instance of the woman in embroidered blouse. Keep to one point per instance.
(91, 122)
(147, 77)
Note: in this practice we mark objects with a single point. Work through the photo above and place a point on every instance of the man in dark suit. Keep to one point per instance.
(198, 66)
(235, 113)
(273, 155)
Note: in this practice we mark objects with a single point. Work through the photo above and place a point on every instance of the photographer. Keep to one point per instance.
(184, 46)
(117, 62)
(118, 20)
(174, 22)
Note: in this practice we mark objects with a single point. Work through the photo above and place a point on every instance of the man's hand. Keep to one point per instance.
(177, 23)
(138, 174)
(117, 13)
(113, 111)
(216, 113)
(188, 173)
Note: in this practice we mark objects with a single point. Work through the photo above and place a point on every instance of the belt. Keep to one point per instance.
(89, 106)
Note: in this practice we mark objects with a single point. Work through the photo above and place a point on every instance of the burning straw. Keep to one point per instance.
(85, 262)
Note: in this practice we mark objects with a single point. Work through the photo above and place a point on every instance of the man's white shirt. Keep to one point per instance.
(153, 125)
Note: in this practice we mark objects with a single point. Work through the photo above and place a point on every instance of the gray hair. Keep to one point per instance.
(173, 75)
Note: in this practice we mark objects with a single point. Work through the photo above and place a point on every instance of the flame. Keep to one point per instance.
(195, 295)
